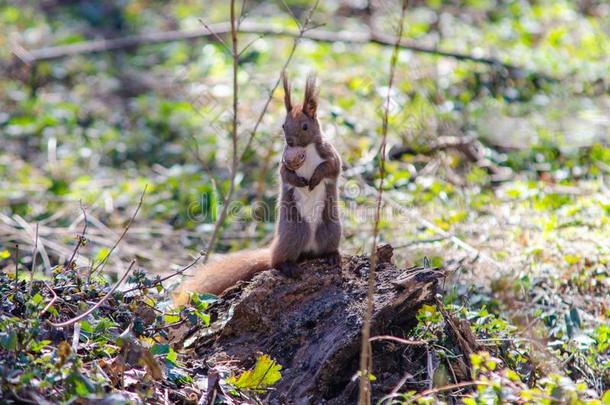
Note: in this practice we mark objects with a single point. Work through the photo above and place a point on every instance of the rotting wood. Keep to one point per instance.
(311, 325)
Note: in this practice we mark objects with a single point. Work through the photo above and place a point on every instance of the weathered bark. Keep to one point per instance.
(311, 326)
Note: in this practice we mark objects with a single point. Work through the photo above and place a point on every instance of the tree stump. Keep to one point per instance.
(311, 325)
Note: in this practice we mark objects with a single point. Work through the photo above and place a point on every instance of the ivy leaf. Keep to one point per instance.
(266, 372)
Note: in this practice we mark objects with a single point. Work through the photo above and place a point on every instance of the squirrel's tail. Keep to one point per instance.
(225, 271)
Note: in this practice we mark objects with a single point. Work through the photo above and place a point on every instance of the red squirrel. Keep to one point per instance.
(308, 224)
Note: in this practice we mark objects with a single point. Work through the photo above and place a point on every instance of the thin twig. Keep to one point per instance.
(174, 274)
(399, 340)
(245, 48)
(447, 388)
(93, 308)
(215, 34)
(294, 17)
(81, 237)
(235, 163)
(242, 14)
(46, 308)
(364, 391)
(102, 263)
(16, 261)
(34, 254)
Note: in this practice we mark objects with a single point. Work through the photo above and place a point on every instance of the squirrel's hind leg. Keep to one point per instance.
(292, 235)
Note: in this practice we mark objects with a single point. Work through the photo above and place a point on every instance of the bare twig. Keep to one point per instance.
(32, 234)
(399, 340)
(448, 388)
(174, 274)
(235, 162)
(294, 17)
(215, 30)
(17, 261)
(364, 392)
(215, 34)
(34, 254)
(242, 14)
(93, 308)
(249, 44)
(102, 263)
(46, 308)
(81, 237)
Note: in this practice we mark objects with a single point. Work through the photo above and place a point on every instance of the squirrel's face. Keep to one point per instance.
(300, 129)
(301, 126)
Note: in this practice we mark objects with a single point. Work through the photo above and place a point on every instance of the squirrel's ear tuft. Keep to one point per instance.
(287, 100)
(310, 103)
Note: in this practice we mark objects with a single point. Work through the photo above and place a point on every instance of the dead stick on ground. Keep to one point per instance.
(93, 308)
(366, 361)
(215, 30)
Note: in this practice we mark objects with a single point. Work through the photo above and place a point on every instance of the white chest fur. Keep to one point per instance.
(310, 203)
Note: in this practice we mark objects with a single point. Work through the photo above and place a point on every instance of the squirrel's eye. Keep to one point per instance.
(304, 127)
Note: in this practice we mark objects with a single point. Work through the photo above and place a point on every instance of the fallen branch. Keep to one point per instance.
(215, 30)
(93, 308)
(469, 146)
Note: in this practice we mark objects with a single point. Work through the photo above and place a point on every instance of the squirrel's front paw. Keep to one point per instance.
(302, 182)
(313, 182)
(289, 269)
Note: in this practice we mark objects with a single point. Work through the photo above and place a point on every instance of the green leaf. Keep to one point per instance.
(172, 356)
(9, 341)
(5, 254)
(266, 372)
(606, 398)
(160, 349)
(169, 318)
(101, 255)
(38, 346)
(80, 385)
(36, 299)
